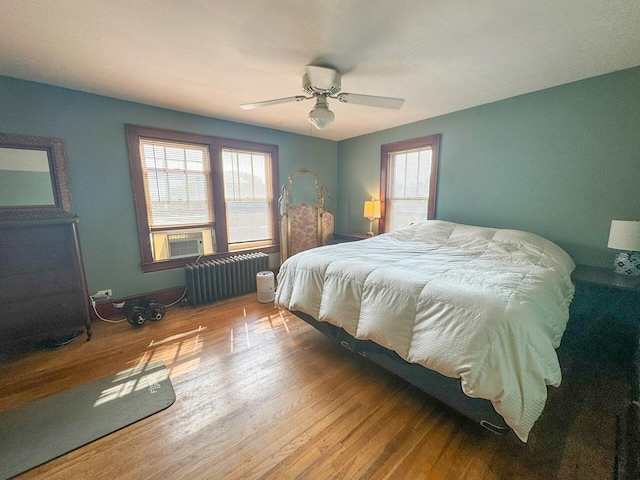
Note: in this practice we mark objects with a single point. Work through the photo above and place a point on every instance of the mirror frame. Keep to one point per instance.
(59, 179)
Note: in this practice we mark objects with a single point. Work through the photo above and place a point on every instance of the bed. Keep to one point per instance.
(471, 315)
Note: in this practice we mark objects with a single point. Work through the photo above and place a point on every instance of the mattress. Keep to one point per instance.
(487, 306)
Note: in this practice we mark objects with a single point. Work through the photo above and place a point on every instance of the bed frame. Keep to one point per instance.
(446, 389)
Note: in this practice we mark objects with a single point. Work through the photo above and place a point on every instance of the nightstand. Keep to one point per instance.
(349, 237)
(602, 334)
(604, 315)
(605, 277)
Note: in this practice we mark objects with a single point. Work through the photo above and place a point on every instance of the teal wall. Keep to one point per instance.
(92, 128)
(561, 162)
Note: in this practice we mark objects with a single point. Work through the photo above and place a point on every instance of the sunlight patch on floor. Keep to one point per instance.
(243, 335)
(149, 381)
(180, 353)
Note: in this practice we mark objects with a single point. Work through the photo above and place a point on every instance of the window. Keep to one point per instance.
(408, 180)
(247, 198)
(200, 195)
(177, 182)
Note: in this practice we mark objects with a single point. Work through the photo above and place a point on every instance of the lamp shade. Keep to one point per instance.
(320, 116)
(372, 209)
(624, 235)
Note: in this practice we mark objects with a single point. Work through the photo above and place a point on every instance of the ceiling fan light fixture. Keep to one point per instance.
(322, 83)
(320, 116)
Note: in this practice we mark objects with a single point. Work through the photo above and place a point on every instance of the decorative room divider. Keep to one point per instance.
(305, 225)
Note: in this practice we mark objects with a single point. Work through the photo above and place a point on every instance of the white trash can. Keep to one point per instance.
(265, 283)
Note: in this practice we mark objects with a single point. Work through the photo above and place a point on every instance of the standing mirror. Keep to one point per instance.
(33, 178)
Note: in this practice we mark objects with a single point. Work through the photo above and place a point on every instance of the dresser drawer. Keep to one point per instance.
(20, 259)
(41, 315)
(43, 235)
(26, 286)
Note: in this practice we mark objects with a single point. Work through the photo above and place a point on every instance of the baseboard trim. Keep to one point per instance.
(107, 310)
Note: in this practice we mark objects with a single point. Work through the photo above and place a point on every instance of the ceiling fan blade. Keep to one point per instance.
(251, 106)
(371, 100)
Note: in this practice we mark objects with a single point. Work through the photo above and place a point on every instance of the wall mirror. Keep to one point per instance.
(33, 178)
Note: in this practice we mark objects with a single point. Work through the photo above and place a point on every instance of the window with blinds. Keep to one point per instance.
(409, 182)
(408, 197)
(177, 183)
(248, 198)
(197, 195)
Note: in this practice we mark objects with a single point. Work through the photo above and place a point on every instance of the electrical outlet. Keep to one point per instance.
(103, 293)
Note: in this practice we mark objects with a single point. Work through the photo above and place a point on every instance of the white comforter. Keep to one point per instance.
(487, 306)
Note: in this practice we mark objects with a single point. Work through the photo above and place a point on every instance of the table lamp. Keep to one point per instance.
(625, 235)
(371, 211)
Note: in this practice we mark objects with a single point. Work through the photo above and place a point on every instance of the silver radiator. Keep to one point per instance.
(214, 280)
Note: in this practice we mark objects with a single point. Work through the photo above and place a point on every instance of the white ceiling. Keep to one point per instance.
(210, 56)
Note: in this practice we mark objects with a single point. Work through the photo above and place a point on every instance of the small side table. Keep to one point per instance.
(605, 277)
(604, 315)
(349, 237)
(613, 300)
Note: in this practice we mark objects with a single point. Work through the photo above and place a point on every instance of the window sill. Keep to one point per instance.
(181, 262)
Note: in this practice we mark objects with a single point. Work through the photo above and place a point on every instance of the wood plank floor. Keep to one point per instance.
(261, 394)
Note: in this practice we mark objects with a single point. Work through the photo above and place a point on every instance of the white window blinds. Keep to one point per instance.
(408, 193)
(177, 183)
(247, 193)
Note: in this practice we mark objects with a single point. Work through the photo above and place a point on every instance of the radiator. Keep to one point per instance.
(214, 280)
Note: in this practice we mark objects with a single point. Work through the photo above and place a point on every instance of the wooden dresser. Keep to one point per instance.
(42, 286)
(43, 291)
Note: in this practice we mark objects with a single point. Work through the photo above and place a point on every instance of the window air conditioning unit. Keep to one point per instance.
(185, 244)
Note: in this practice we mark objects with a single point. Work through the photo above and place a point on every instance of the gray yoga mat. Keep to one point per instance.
(35, 433)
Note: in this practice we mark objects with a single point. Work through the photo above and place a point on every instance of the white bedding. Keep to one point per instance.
(484, 305)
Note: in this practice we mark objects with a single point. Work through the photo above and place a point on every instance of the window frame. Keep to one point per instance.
(215, 145)
(386, 150)
(253, 244)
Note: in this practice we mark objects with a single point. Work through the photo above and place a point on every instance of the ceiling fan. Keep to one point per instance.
(323, 83)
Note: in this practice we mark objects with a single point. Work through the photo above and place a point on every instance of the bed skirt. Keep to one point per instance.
(445, 389)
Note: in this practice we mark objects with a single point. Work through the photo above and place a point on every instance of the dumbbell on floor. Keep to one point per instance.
(136, 312)
(155, 310)
(139, 311)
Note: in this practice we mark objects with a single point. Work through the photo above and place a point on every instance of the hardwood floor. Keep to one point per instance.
(261, 394)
